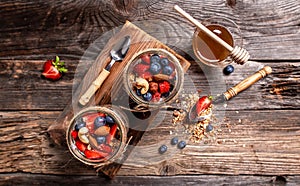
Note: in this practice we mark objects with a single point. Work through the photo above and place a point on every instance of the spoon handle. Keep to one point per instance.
(246, 83)
(85, 98)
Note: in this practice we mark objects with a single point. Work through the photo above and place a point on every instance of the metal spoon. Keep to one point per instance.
(118, 53)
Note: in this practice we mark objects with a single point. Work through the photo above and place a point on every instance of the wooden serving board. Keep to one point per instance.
(111, 88)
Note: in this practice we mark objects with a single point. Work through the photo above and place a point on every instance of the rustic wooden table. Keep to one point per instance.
(257, 142)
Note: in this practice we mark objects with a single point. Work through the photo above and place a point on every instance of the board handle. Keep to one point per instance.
(246, 83)
(85, 98)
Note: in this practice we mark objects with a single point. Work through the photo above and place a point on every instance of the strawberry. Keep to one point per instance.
(203, 103)
(53, 69)
(140, 69)
(74, 134)
(105, 148)
(156, 97)
(164, 87)
(90, 118)
(146, 58)
(112, 132)
(147, 75)
(93, 154)
(81, 146)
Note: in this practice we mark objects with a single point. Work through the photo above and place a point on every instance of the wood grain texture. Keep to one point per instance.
(39, 179)
(257, 143)
(35, 30)
(245, 144)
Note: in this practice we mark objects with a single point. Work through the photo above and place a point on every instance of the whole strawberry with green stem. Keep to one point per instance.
(54, 69)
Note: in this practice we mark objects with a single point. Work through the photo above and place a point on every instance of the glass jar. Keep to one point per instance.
(153, 77)
(210, 52)
(97, 135)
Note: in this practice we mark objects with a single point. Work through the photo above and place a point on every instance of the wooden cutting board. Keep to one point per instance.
(139, 41)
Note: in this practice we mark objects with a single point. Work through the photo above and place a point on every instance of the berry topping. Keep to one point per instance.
(167, 70)
(181, 144)
(203, 103)
(162, 149)
(146, 58)
(147, 96)
(174, 141)
(164, 61)
(110, 120)
(100, 139)
(156, 97)
(79, 125)
(154, 58)
(140, 69)
(164, 87)
(153, 87)
(228, 69)
(155, 68)
(99, 122)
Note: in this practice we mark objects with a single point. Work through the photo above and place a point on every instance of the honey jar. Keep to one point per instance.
(210, 52)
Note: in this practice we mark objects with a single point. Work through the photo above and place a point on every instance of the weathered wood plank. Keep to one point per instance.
(246, 143)
(35, 30)
(22, 88)
(38, 179)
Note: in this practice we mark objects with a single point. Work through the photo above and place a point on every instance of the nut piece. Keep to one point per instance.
(93, 141)
(161, 77)
(142, 84)
(102, 131)
(82, 135)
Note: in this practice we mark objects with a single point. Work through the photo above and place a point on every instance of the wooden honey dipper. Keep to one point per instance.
(238, 54)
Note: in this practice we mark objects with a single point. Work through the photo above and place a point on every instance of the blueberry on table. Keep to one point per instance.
(167, 70)
(155, 68)
(209, 128)
(101, 139)
(181, 145)
(147, 96)
(164, 61)
(174, 141)
(162, 149)
(228, 69)
(99, 121)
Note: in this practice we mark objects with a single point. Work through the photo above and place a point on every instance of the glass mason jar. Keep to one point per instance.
(153, 77)
(207, 50)
(97, 135)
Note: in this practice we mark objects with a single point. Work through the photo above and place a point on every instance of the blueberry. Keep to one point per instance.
(181, 144)
(164, 61)
(209, 128)
(79, 124)
(174, 141)
(138, 92)
(154, 58)
(110, 120)
(228, 69)
(147, 96)
(162, 149)
(155, 68)
(101, 139)
(99, 121)
(167, 70)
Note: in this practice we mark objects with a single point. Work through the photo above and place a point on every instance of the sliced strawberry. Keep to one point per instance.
(53, 69)
(81, 146)
(146, 58)
(90, 118)
(147, 75)
(105, 148)
(93, 154)
(74, 134)
(112, 132)
(140, 69)
(203, 103)
(164, 87)
(156, 97)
